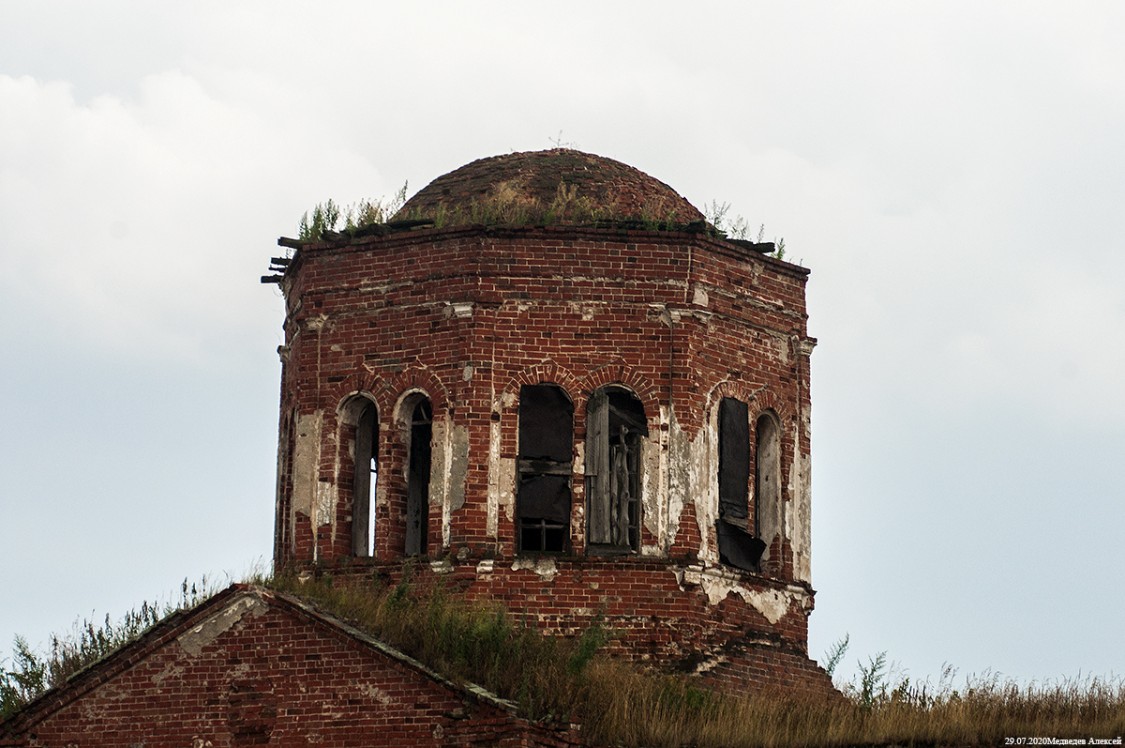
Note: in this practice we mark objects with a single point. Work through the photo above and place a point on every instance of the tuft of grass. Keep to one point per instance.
(325, 216)
(506, 204)
(87, 642)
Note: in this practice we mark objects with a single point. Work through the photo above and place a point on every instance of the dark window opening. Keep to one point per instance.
(734, 461)
(544, 465)
(366, 460)
(418, 478)
(283, 530)
(737, 544)
(615, 428)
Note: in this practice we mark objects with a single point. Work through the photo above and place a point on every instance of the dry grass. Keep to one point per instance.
(621, 705)
(508, 204)
(625, 707)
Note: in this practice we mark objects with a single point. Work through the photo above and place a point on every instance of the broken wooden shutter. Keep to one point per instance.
(366, 439)
(598, 475)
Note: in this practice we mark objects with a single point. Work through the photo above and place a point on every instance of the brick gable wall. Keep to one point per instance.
(250, 668)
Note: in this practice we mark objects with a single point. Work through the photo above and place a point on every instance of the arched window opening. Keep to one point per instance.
(734, 461)
(545, 463)
(767, 480)
(615, 428)
(418, 477)
(366, 461)
(737, 544)
(283, 530)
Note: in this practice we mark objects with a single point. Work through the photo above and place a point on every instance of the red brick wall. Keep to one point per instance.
(467, 316)
(655, 617)
(389, 327)
(271, 675)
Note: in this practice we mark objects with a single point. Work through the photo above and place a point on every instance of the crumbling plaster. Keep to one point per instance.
(448, 468)
(798, 519)
(717, 583)
(195, 639)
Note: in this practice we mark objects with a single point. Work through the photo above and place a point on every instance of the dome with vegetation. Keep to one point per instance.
(557, 186)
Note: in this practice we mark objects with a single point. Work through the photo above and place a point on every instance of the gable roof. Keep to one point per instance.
(197, 628)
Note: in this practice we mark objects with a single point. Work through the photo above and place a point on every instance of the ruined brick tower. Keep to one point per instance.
(551, 383)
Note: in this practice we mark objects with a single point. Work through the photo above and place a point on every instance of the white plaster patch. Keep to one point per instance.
(460, 309)
(507, 487)
(306, 458)
(492, 509)
(448, 466)
(782, 345)
(194, 640)
(485, 567)
(325, 503)
(544, 567)
(798, 520)
(675, 463)
(458, 466)
(376, 694)
(772, 604)
(651, 496)
(699, 296)
(586, 311)
(717, 584)
(501, 483)
(691, 481)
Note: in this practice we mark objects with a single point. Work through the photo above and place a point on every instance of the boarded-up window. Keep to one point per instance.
(364, 480)
(418, 477)
(546, 445)
(615, 428)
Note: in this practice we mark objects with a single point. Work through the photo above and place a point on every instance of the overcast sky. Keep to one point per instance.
(952, 173)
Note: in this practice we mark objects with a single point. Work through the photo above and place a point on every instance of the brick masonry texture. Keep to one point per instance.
(250, 667)
(464, 316)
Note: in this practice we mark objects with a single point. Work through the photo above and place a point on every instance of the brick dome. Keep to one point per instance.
(554, 186)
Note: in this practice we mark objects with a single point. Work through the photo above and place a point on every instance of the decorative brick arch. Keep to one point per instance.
(747, 392)
(546, 372)
(765, 400)
(348, 407)
(364, 385)
(417, 379)
(758, 397)
(619, 374)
